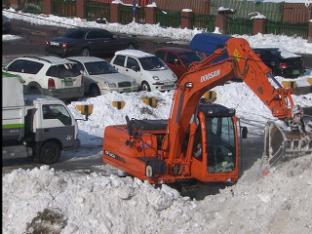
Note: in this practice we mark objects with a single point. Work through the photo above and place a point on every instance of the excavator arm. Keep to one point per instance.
(242, 63)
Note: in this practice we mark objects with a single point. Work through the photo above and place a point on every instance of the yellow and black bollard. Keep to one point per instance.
(85, 110)
(118, 104)
(151, 101)
(209, 96)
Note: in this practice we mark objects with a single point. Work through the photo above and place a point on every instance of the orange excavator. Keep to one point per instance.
(201, 141)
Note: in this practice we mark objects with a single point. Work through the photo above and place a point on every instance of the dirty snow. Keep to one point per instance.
(278, 203)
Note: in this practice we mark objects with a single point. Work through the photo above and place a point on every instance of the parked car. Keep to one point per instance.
(178, 59)
(148, 70)
(282, 62)
(100, 77)
(6, 24)
(87, 41)
(48, 75)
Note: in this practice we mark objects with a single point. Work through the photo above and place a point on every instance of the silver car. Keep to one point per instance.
(100, 77)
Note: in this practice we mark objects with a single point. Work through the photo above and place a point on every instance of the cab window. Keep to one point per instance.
(56, 111)
(119, 60)
(132, 63)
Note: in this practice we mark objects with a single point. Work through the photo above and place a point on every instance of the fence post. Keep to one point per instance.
(81, 8)
(258, 25)
(114, 12)
(187, 18)
(14, 4)
(221, 22)
(150, 14)
(47, 6)
(310, 31)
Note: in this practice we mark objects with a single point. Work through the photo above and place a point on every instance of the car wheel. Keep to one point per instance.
(34, 90)
(145, 86)
(85, 52)
(48, 153)
(94, 91)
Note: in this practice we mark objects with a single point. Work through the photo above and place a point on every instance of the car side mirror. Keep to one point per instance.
(135, 68)
(176, 61)
(244, 132)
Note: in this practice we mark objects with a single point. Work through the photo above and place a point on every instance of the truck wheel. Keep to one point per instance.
(48, 153)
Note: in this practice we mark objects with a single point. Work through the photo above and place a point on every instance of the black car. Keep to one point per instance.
(88, 41)
(6, 24)
(282, 63)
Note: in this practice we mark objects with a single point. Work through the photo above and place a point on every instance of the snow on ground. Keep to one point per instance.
(155, 30)
(234, 95)
(78, 203)
(9, 37)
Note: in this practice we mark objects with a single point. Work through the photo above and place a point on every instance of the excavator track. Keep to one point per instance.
(282, 144)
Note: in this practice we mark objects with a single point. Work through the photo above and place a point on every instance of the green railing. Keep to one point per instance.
(96, 10)
(64, 8)
(287, 28)
(140, 15)
(204, 22)
(125, 14)
(168, 18)
(33, 6)
(239, 26)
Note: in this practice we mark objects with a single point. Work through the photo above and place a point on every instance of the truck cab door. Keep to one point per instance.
(218, 159)
(56, 123)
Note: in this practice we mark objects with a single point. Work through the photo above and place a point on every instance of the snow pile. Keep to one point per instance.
(278, 203)
(233, 95)
(285, 43)
(155, 30)
(9, 37)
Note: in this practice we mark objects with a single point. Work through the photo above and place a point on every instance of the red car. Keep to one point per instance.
(178, 59)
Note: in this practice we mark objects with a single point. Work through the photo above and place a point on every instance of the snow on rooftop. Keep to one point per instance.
(134, 53)
(256, 15)
(187, 10)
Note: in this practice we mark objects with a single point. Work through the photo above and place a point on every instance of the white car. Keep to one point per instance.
(147, 69)
(100, 77)
(49, 75)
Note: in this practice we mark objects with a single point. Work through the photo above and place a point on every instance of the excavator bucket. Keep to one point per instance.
(283, 143)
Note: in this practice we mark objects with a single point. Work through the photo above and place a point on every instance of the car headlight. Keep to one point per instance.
(155, 77)
(110, 85)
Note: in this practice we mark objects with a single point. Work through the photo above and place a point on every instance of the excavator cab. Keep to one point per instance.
(215, 145)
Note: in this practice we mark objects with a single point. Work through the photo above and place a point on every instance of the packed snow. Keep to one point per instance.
(155, 30)
(42, 199)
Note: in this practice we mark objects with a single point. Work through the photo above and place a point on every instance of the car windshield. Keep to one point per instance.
(99, 67)
(75, 34)
(189, 57)
(152, 64)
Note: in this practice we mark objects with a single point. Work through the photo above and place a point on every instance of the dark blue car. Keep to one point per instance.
(88, 41)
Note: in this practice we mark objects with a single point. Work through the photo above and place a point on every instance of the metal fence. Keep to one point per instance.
(205, 21)
(300, 29)
(125, 14)
(33, 6)
(96, 10)
(168, 18)
(65, 8)
(239, 26)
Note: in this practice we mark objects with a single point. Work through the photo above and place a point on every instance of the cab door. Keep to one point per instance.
(218, 142)
(55, 122)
